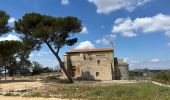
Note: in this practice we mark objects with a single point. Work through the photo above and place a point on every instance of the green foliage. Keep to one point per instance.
(47, 70)
(4, 17)
(10, 48)
(163, 77)
(12, 52)
(47, 29)
(37, 29)
(9, 51)
(36, 68)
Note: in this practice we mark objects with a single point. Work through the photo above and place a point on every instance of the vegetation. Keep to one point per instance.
(141, 91)
(4, 28)
(37, 68)
(11, 52)
(35, 30)
(54, 32)
(163, 77)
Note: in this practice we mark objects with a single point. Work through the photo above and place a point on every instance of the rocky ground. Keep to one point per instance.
(19, 87)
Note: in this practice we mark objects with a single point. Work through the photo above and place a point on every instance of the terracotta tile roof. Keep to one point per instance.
(89, 50)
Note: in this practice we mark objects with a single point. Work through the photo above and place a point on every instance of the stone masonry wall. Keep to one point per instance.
(92, 65)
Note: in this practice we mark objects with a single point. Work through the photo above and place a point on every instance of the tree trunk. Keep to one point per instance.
(5, 73)
(61, 64)
(11, 70)
(65, 70)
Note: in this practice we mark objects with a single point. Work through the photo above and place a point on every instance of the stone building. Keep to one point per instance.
(121, 69)
(95, 64)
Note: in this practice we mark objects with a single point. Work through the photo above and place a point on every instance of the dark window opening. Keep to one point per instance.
(98, 61)
(73, 71)
(90, 58)
(97, 74)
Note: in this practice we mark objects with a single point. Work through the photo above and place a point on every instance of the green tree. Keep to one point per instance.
(4, 17)
(36, 68)
(54, 32)
(23, 67)
(11, 52)
(47, 70)
(4, 28)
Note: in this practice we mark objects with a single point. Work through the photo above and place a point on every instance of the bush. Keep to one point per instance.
(163, 77)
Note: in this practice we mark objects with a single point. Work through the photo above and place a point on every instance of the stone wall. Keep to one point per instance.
(96, 65)
(91, 65)
(121, 69)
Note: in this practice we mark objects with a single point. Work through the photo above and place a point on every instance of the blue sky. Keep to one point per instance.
(140, 29)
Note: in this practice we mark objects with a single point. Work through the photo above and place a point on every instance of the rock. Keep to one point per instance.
(20, 92)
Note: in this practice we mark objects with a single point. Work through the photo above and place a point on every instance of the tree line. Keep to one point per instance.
(163, 77)
(35, 30)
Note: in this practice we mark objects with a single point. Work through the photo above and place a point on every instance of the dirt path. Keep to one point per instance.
(26, 98)
(160, 84)
(20, 85)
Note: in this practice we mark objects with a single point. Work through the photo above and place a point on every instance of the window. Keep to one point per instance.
(98, 62)
(97, 74)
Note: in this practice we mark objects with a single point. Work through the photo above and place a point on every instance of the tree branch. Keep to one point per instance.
(58, 49)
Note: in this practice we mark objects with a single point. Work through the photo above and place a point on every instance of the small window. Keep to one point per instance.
(98, 62)
(97, 74)
(90, 58)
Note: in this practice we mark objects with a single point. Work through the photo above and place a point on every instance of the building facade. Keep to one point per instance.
(94, 64)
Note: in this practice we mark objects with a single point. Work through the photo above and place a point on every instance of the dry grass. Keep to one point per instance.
(140, 91)
(92, 90)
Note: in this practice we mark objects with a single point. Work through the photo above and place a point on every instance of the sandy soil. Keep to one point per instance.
(26, 98)
(20, 85)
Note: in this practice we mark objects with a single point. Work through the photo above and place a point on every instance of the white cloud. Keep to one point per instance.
(107, 39)
(129, 28)
(44, 57)
(10, 37)
(150, 64)
(107, 6)
(130, 61)
(98, 41)
(85, 45)
(167, 33)
(155, 60)
(84, 30)
(11, 21)
(124, 26)
(40, 54)
(125, 60)
(155, 64)
(119, 20)
(65, 2)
